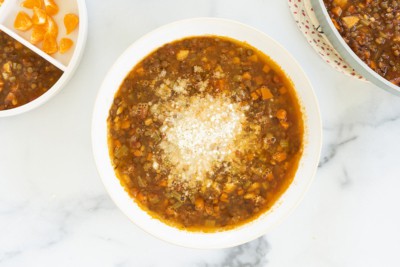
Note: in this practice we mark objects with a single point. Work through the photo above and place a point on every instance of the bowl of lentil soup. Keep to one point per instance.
(41, 44)
(367, 36)
(200, 138)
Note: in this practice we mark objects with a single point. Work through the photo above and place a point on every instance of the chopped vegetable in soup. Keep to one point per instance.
(205, 133)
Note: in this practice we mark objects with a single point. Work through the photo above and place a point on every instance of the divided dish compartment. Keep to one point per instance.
(66, 62)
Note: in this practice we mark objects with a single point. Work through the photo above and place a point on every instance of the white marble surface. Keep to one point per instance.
(54, 210)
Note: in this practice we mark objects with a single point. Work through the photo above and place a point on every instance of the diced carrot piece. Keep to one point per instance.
(350, 21)
(351, 9)
(280, 156)
(163, 183)
(266, 93)
(254, 95)
(341, 3)
(283, 90)
(372, 64)
(246, 76)
(199, 204)
(336, 24)
(259, 80)
(337, 11)
(253, 58)
(236, 60)
(137, 153)
(266, 68)
(281, 114)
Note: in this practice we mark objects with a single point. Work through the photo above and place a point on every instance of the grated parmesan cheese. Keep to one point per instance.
(201, 136)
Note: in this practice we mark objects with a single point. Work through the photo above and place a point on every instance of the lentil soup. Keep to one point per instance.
(205, 133)
(24, 75)
(372, 30)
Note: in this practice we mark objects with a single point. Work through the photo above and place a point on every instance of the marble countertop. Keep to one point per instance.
(54, 210)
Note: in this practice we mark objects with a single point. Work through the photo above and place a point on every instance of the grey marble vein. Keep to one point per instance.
(345, 181)
(333, 150)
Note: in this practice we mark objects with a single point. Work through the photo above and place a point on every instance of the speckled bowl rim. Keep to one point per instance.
(345, 51)
(68, 73)
(308, 163)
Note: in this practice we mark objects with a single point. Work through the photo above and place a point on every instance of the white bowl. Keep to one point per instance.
(312, 136)
(67, 62)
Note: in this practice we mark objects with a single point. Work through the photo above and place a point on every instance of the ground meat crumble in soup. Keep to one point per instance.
(205, 133)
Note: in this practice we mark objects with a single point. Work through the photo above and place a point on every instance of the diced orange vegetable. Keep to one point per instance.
(224, 197)
(236, 60)
(137, 153)
(199, 204)
(284, 124)
(336, 24)
(22, 22)
(254, 95)
(163, 183)
(283, 90)
(341, 3)
(266, 93)
(350, 21)
(281, 114)
(253, 58)
(65, 45)
(351, 9)
(337, 11)
(259, 80)
(280, 156)
(125, 124)
(71, 22)
(181, 55)
(372, 64)
(246, 76)
(266, 68)
(222, 84)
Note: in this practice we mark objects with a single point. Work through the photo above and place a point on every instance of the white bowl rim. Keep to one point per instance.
(201, 240)
(67, 73)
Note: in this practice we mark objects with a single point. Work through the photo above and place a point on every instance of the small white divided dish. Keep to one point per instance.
(312, 136)
(67, 62)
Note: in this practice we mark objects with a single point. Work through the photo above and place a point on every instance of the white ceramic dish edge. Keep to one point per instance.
(196, 27)
(68, 73)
